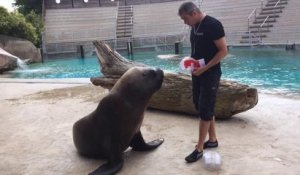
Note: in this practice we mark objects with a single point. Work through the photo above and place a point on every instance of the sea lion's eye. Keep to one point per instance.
(150, 73)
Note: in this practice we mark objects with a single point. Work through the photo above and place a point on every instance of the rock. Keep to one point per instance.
(21, 48)
(7, 63)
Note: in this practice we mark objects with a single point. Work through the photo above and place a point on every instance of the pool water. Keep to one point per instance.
(269, 69)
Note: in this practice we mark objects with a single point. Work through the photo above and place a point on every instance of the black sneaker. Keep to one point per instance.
(194, 156)
(209, 144)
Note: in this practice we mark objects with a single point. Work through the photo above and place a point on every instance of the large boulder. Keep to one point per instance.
(21, 48)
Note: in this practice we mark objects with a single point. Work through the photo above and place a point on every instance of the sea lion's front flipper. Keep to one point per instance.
(108, 168)
(138, 143)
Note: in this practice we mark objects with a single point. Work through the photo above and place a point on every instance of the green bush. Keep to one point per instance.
(15, 24)
(37, 22)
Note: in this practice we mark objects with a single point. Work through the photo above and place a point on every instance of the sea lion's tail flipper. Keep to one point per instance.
(108, 169)
(138, 143)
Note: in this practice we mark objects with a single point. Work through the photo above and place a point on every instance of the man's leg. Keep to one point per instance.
(212, 131)
(204, 127)
(198, 152)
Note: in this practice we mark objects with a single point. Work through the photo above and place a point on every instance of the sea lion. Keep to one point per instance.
(115, 124)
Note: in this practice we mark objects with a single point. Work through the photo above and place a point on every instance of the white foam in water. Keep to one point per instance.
(31, 70)
(167, 56)
(212, 160)
(21, 64)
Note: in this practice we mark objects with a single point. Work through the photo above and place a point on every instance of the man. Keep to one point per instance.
(208, 42)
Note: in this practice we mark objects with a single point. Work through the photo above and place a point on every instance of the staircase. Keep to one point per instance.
(263, 21)
(124, 22)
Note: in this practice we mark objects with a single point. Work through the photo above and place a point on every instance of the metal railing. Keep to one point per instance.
(264, 22)
(279, 36)
(249, 18)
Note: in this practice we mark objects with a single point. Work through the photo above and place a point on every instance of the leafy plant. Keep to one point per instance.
(15, 24)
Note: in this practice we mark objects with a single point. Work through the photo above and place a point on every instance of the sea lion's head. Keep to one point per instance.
(142, 81)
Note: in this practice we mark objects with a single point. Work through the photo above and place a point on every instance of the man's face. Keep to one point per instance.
(189, 19)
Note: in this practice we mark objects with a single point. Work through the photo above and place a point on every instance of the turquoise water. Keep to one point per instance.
(269, 70)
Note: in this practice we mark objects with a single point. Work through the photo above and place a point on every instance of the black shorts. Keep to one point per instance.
(205, 88)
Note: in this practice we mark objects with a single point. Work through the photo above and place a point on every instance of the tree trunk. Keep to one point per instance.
(176, 92)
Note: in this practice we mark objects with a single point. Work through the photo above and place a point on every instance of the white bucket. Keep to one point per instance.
(212, 160)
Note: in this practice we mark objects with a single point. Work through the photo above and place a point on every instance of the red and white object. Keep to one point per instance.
(189, 64)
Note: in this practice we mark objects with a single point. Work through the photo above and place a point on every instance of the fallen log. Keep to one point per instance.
(176, 92)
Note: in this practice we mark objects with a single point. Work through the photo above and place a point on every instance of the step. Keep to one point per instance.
(125, 22)
(125, 14)
(264, 26)
(260, 21)
(250, 42)
(257, 31)
(273, 4)
(125, 10)
(122, 23)
(124, 36)
(264, 16)
(270, 12)
(124, 28)
(277, 1)
(123, 33)
(125, 7)
(256, 36)
(272, 8)
(124, 19)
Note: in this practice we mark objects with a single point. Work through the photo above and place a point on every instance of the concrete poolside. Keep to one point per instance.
(36, 134)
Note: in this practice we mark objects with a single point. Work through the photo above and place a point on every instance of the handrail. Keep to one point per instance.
(117, 14)
(264, 21)
(131, 19)
(249, 17)
(277, 3)
(260, 27)
(262, 4)
(252, 38)
(199, 2)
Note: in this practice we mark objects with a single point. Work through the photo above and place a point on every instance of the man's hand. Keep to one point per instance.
(198, 71)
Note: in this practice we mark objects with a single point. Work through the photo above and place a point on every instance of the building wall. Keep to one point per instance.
(65, 4)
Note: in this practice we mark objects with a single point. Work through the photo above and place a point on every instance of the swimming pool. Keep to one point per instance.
(272, 70)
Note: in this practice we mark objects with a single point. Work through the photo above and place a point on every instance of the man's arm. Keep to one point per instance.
(222, 52)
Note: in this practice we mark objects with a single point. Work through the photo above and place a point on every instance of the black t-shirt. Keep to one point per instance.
(202, 40)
